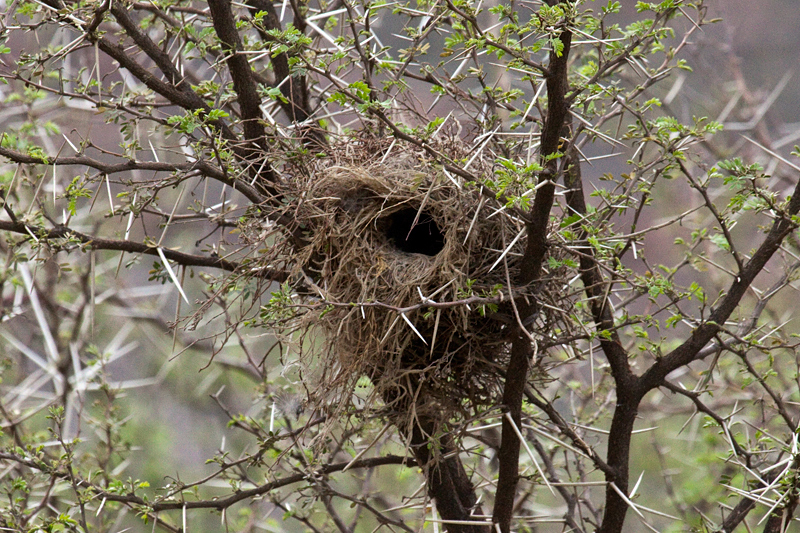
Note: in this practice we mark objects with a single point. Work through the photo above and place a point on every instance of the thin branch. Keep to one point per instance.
(217, 503)
(686, 352)
(129, 165)
(97, 243)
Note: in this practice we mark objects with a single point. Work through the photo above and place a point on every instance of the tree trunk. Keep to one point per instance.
(448, 484)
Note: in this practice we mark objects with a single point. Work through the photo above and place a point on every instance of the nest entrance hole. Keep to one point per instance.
(424, 237)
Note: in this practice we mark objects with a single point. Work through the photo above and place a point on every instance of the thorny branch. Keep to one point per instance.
(217, 503)
(580, 109)
(535, 250)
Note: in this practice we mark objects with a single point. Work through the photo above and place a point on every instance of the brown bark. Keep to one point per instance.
(536, 233)
(243, 82)
(448, 483)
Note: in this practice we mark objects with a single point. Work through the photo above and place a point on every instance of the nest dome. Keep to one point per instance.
(389, 240)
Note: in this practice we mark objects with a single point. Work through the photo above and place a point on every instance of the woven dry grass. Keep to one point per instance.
(398, 317)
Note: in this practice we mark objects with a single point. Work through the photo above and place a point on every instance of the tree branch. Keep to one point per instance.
(114, 168)
(187, 99)
(98, 243)
(536, 232)
(293, 87)
(243, 82)
(146, 45)
(687, 351)
(447, 480)
(564, 427)
(180, 93)
(217, 503)
(595, 287)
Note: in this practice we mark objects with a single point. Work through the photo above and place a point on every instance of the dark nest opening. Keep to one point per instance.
(413, 231)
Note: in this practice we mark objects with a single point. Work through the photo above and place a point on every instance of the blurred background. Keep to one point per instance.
(177, 398)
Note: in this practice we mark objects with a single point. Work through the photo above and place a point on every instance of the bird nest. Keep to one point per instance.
(408, 269)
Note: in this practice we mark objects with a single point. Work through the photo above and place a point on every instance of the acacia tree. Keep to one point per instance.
(218, 132)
